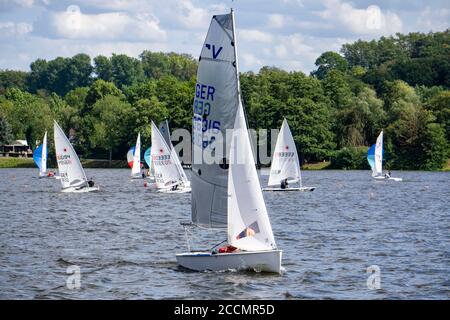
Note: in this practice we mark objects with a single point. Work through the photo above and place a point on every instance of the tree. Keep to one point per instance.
(329, 61)
(125, 70)
(337, 89)
(103, 68)
(6, 135)
(100, 89)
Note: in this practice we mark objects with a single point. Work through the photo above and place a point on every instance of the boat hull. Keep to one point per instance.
(181, 190)
(80, 190)
(387, 179)
(301, 189)
(260, 261)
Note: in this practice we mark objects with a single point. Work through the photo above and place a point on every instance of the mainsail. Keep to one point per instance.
(248, 222)
(69, 166)
(285, 163)
(166, 171)
(164, 129)
(375, 156)
(215, 103)
(136, 169)
(40, 156)
(130, 154)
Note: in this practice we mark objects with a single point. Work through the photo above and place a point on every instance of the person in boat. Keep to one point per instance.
(284, 184)
(143, 174)
(175, 187)
(387, 175)
(91, 183)
(50, 174)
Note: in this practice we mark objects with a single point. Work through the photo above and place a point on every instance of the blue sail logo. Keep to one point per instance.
(215, 53)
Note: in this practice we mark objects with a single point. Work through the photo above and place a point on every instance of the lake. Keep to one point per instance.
(124, 240)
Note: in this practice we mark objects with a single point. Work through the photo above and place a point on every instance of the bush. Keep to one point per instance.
(350, 159)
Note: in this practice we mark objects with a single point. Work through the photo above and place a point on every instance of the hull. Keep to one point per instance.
(387, 179)
(182, 190)
(136, 177)
(259, 261)
(80, 190)
(302, 189)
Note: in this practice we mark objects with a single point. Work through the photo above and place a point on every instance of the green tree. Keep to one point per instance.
(329, 61)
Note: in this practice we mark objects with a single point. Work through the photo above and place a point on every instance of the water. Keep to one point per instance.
(124, 240)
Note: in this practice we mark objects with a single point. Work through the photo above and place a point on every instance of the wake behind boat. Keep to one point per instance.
(375, 159)
(73, 177)
(285, 167)
(240, 205)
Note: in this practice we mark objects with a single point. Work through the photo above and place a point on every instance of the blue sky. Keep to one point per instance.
(289, 34)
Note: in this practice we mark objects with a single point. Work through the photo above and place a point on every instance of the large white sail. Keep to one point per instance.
(165, 132)
(248, 222)
(166, 171)
(379, 155)
(285, 163)
(69, 166)
(136, 169)
(215, 103)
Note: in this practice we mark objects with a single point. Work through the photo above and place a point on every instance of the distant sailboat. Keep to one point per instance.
(285, 168)
(73, 177)
(136, 166)
(40, 157)
(168, 177)
(375, 159)
(148, 161)
(240, 206)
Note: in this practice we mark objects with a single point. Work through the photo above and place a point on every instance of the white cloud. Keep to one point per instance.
(254, 35)
(432, 20)
(275, 21)
(14, 30)
(73, 24)
(369, 21)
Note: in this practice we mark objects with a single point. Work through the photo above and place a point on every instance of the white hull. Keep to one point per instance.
(301, 189)
(136, 177)
(387, 179)
(179, 190)
(80, 190)
(50, 177)
(259, 261)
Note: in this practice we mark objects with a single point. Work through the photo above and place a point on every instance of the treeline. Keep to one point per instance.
(399, 84)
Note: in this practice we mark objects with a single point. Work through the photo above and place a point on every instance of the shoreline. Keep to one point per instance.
(20, 163)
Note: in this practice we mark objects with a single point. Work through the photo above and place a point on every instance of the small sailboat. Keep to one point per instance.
(375, 159)
(136, 166)
(40, 158)
(73, 177)
(240, 206)
(285, 168)
(168, 176)
(148, 161)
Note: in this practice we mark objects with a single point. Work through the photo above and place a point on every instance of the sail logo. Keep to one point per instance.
(212, 48)
(284, 154)
(63, 157)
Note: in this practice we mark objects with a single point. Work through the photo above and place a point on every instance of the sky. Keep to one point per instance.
(289, 34)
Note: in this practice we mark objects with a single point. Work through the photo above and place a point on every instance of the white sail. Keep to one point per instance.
(378, 170)
(285, 163)
(215, 103)
(166, 171)
(248, 222)
(136, 169)
(165, 133)
(69, 166)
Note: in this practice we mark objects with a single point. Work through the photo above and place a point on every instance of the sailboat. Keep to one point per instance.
(169, 175)
(285, 164)
(40, 158)
(375, 159)
(148, 161)
(227, 194)
(73, 178)
(136, 166)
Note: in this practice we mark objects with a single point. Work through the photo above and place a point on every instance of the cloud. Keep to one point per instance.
(254, 35)
(11, 4)
(73, 24)
(369, 21)
(275, 21)
(14, 30)
(434, 19)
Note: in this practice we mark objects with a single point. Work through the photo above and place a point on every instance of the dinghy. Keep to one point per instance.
(148, 161)
(285, 164)
(375, 159)
(40, 155)
(72, 175)
(227, 194)
(136, 167)
(168, 178)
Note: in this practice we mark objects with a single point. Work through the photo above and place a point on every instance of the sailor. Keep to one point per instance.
(143, 174)
(387, 175)
(91, 182)
(284, 183)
